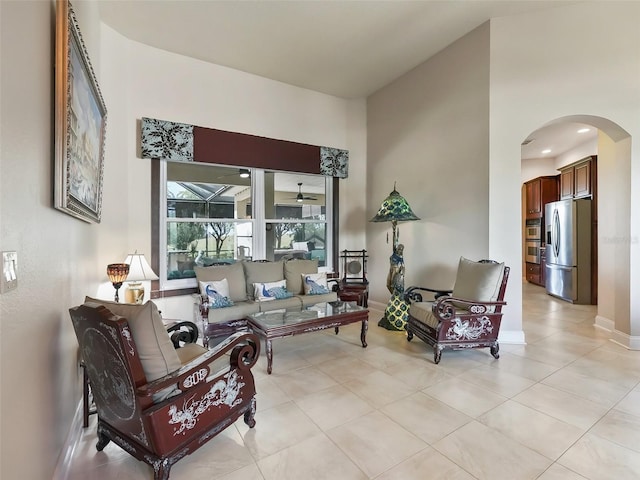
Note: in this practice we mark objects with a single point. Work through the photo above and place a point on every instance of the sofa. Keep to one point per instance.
(244, 277)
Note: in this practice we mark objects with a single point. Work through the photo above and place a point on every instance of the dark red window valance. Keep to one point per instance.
(188, 143)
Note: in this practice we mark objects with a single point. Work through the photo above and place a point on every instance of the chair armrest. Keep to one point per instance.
(183, 331)
(447, 307)
(412, 294)
(243, 346)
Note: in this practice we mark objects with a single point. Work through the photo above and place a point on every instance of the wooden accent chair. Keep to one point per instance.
(160, 420)
(468, 316)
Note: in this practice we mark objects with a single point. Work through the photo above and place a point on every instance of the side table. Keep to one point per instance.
(354, 292)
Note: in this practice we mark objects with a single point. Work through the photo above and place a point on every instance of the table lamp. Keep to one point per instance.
(117, 273)
(395, 209)
(139, 271)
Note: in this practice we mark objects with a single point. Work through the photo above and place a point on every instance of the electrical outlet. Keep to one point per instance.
(9, 279)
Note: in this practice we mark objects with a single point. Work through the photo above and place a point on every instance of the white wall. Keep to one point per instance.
(58, 256)
(428, 131)
(585, 60)
(590, 147)
(537, 167)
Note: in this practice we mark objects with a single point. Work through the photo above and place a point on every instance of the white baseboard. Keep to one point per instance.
(73, 438)
(604, 323)
(511, 337)
(378, 307)
(627, 341)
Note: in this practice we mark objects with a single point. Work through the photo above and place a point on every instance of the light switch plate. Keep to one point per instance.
(9, 279)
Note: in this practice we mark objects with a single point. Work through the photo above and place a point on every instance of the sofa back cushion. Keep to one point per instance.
(155, 350)
(234, 274)
(478, 281)
(261, 272)
(293, 271)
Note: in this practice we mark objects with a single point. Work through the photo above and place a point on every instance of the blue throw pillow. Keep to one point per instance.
(315, 283)
(217, 300)
(280, 292)
(271, 291)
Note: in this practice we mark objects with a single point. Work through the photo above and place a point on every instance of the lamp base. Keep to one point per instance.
(396, 314)
(134, 293)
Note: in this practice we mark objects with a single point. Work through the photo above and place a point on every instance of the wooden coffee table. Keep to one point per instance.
(312, 318)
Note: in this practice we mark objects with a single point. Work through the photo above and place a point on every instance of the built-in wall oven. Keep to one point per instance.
(532, 251)
(533, 229)
(532, 240)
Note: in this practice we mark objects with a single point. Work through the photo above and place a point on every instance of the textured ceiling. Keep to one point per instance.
(343, 48)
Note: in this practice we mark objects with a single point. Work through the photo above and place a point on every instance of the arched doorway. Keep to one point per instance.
(612, 145)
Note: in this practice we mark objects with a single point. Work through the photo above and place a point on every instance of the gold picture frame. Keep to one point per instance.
(80, 123)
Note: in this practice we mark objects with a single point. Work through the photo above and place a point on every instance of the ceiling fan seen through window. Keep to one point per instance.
(300, 197)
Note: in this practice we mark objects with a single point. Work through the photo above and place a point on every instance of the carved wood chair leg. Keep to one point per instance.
(409, 335)
(437, 353)
(495, 349)
(250, 414)
(161, 470)
(103, 441)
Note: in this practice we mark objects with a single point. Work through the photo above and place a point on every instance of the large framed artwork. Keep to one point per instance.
(80, 123)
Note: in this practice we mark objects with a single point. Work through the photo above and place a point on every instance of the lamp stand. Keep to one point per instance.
(395, 209)
(117, 286)
(397, 310)
(134, 292)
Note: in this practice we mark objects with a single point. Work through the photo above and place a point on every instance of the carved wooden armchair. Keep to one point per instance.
(468, 316)
(160, 421)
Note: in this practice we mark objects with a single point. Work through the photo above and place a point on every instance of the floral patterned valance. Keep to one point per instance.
(165, 140)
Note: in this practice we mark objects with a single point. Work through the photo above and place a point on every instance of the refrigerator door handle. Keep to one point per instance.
(556, 233)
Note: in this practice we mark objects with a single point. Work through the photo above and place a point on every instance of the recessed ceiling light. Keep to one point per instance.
(584, 130)
(548, 150)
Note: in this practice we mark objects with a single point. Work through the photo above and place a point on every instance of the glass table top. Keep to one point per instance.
(291, 316)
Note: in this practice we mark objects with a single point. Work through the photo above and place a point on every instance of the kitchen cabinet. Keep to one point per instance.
(539, 192)
(578, 179)
(533, 273)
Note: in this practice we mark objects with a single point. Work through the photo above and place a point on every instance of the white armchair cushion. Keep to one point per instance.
(157, 354)
(478, 281)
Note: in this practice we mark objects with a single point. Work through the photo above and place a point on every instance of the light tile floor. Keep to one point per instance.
(564, 406)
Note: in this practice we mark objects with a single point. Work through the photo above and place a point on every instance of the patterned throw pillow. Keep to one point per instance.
(315, 283)
(271, 291)
(218, 293)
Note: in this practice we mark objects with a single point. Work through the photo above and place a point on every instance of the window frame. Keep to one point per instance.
(166, 288)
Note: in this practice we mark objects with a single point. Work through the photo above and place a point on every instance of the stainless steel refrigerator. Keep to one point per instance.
(568, 250)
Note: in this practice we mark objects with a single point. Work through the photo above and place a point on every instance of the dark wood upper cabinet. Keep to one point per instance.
(577, 180)
(566, 184)
(539, 192)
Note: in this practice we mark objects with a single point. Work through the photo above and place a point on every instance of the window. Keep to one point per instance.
(209, 214)
(295, 210)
